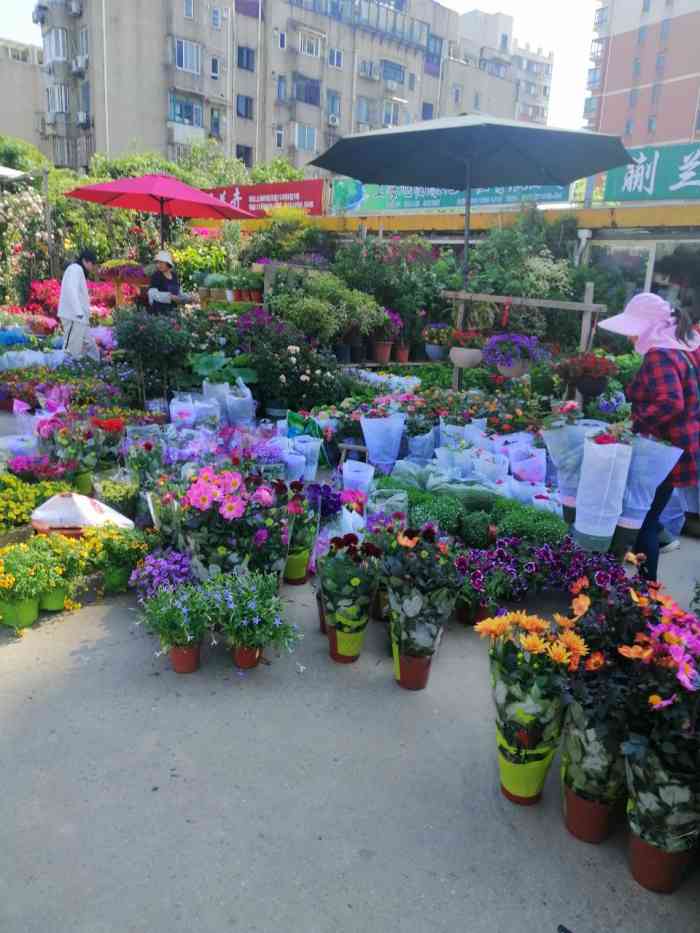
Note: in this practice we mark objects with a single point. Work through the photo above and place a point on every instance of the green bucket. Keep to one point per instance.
(19, 613)
(523, 782)
(296, 567)
(53, 600)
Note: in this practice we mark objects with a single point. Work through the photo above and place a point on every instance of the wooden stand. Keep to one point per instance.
(345, 449)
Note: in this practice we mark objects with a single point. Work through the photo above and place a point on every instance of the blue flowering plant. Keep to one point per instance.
(247, 610)
(509, 349)
(180, 616)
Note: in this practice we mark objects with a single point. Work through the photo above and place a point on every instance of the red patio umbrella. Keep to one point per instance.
(159, 194)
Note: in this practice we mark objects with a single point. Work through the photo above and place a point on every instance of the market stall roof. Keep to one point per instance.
(158, 194)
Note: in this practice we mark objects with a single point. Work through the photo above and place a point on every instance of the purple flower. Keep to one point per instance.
(260, 537)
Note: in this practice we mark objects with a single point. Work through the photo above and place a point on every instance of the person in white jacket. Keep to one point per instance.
(74, 308)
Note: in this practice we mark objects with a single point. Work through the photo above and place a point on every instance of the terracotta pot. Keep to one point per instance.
(482, 612)
(414, 672)
(185, 660)
(382, 350)
(256, 295)
(463, 358)
(321, 614)
(401, 353)
(237, 294)
(246, 658)
(588, 820)
(655, 869)
(518, 369)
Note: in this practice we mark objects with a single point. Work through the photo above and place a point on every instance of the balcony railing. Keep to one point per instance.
(598, 49)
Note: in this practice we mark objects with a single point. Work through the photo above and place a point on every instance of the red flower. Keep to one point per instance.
(605, 439)
(147, 446)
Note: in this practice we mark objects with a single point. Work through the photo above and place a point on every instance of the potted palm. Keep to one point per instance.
(418, 571)
(347, 580)
(247, 610)
(467, 348)
(179, 616)
(529, 659)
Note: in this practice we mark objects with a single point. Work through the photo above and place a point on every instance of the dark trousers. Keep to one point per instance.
(648, 538)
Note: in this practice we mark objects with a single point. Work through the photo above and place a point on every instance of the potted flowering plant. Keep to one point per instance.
(34, 469)
(25, 573)
(513, 354)
(588, 372)
(467, 348)
(161, 570)
(662, 751)
(179, 616)
(144, 460)
(77, 443)
(529, 659)
(386, 334)
(115, 552)
(437, 338)
(304, 528)
(247, 609)
(66, 560)
(347, 580)
(417, 569)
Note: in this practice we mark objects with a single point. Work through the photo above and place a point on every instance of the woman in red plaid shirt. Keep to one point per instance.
(665, 397)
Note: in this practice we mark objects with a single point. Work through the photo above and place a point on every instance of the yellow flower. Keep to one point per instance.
(558, 653)
(355, 581)
(532, 624)
(533, 644)
(574, 643)
(563, 621)
(493, 628)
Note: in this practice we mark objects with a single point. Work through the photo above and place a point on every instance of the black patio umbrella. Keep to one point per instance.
(468, 152)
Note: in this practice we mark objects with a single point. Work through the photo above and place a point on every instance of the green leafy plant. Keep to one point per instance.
(248, 611)
(179, 617)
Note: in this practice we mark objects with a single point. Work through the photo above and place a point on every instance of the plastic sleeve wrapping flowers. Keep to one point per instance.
(591, 761)
(663, 807)
(565, 446)
(310, 447)
(600, 493)
(383, 439)
(451, 435)
(651, 464)
(529, 464)
(421, 447)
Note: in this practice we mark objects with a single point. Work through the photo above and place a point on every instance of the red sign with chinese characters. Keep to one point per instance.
(260, 199)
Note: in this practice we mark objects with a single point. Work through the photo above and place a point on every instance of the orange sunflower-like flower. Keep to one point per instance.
(581, 584)
(595, 662)
(580, 606)
(564, 621)
(493, 628)
(637, 599)
(405, 541)
(559, 653)
(636, 653)
(533, 644)
(531, 624)
(575, 644)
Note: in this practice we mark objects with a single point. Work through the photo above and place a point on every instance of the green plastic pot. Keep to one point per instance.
(296, 567)
(83, 483)
(53, 600)
(19, 613)
(522, 783)
(116, 579)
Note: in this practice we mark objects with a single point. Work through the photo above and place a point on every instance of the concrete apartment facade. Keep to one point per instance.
(282, 77)
(22, 93)
(644, 83)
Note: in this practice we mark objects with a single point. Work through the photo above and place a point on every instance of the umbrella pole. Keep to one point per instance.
(162, 223)
(467, 215)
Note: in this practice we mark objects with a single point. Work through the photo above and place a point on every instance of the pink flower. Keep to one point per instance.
(230, 481)
(656, 702)
(263, 496)
(232, 507)
(260, 537)
(568, 407)
(295, 507)
(207, 474)
(687, 674)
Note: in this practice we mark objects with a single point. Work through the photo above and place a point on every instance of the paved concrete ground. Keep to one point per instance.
(302, 797)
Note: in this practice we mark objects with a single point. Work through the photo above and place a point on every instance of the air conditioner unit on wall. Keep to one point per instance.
(83, 118)
(392, 86)
(333, 119)
(75, 7)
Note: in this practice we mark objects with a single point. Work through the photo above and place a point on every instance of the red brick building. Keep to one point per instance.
(644, 81)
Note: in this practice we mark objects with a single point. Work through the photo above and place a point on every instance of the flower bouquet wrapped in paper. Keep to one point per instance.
(564, 434)
(606, 464)
(383, 439)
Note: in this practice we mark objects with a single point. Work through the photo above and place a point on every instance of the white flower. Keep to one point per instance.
(318, 372)
(283, 378)
(304, 377)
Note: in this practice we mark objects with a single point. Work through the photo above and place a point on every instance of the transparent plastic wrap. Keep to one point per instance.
(421, 447)
(357, 475)
(387, 502)
(565, 447)
(600, 493)
(383, 439)
(455, 462)
(239, 404)
(529, 464)
(218, 390)
(451, 435)
(490, 467)
(182, 411)
(310, 448)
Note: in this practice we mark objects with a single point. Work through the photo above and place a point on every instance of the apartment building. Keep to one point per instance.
(265, 77)
(489, 39)
(644, 80)
(21, 83)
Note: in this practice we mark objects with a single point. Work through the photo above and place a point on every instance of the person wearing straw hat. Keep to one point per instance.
(74, 308)
(665, 397)
(164, 287)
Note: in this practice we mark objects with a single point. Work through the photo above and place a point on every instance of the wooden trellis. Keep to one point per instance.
(587, 308)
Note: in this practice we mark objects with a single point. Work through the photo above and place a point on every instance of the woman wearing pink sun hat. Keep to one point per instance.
(665, 397)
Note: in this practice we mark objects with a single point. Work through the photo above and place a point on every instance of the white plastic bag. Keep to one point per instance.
(600, 493)
(357, 475)
(295, 464)
(239, 404)
(451, 435)
(309, 447)
(217, 390)
(182, 411)
(474, 434)
(71, 510)
(383, 439)
(530, 465)
(421, 447)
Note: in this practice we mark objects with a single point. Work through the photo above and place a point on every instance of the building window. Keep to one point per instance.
(333, 102)
(477, 100)
(335, 58)
(215, 122)
(184, 110)
(642, 35)
(392, 113)
(306, 90)
(545, 91)
(216, 17)
(646, 6)
(593, 80)
(281, 87)
(660, 63)
(363, 109)
(244, 106)
(85, 97)
(665, 28)
(279, 137)
(651, 125)
(504, 42)
(189, 9)
(427, 111)
(309, 44)
(629, 126)
(245, 154)
(634, 97)
(636, 67)
(57, 98)
(282, 40)
(392, 71)
(591, 105)
(306, 137)
(56, 45)
(411, 82)
(246, 58)
(655, 95)
(188, 56)
(83, 42)
(215, 68)
(457, 93)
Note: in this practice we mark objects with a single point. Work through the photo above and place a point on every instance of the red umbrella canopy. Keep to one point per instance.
(159, 194)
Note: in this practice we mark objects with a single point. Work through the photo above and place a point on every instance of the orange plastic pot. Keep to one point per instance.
(588, 820)
(402, 353)
(655, 869)
(246, 658)
(382, 350)
(185, 659)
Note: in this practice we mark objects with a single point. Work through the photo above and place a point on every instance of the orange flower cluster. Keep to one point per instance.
(535, 636)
